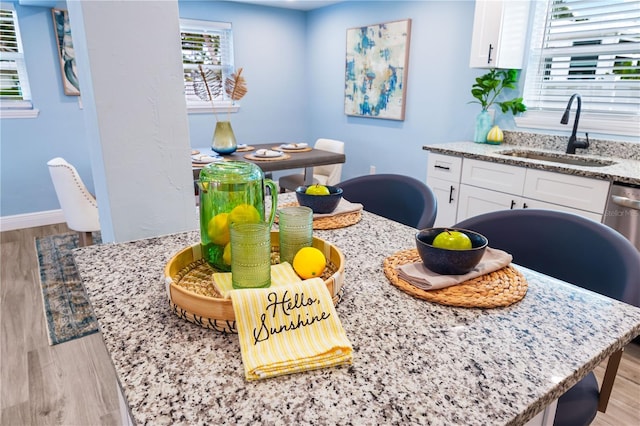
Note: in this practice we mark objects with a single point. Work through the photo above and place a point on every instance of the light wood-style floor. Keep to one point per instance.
(74, 383)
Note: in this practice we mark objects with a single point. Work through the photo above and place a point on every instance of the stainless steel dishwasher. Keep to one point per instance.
(623, 211)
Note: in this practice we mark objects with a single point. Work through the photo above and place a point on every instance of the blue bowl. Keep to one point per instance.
(450, 262)
(319, 203)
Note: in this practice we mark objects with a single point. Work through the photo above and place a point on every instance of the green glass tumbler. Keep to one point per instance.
(295, 230)
(250, 255)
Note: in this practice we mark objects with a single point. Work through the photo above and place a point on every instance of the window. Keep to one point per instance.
(209, 44)
(586, 47)
(15, 96)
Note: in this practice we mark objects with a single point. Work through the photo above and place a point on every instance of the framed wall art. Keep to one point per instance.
(65, 52)
(377, 61)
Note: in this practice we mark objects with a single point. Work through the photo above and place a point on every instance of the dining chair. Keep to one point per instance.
(400, 198)
(324, 175)
(79, 206)
(577, 250)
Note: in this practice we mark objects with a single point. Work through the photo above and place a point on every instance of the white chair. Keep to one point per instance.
(324, 175)
(78, 205)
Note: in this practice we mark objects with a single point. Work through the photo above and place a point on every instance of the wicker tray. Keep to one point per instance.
(503, 287)
(280, 148)
(192, 295)
(253, 157)
(331, 222)
(245, 149)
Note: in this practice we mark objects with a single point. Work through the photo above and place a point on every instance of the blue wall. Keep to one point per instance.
(294, 66)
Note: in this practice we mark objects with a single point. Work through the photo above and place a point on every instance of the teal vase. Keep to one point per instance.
(224, 141)
(484, 123)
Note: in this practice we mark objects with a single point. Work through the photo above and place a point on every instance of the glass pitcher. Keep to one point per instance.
(230, 191)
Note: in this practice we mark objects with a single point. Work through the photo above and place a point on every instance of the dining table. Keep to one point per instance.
(414, 361)
(306, 158)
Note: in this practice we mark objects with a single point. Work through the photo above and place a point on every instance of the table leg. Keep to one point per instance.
(308, 175)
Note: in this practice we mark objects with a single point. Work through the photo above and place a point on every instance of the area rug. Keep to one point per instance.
(67, 309)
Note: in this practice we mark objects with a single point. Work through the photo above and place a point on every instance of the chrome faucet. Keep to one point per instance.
(573, 142)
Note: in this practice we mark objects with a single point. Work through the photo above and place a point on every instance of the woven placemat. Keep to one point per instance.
(330, 222)
(245, 149)
(280, 148)
(253, 157)
(503, 287)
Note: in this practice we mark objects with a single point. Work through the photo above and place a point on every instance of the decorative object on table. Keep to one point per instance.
(79, 206)
(495, 136)
(450, 260)
(500, 288)
(209, 86)
(194, 297)
(295, 227)
(401, 198)
(230, 192)
(326, 203)
(66, 54)
(486, 90)
(274, 343)
(67, 310)
(204, 158)
(293, 147)
(377, 58)
(281, 274)
(329, 174)
(346, 214)
(244, 148)
(250, 254)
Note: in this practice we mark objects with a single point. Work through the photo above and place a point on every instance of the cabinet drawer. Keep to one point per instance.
(444, 167)
(535, 204)
(577, 192)
(494, 176)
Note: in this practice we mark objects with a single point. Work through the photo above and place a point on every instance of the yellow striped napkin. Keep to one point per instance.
(281, 274)
(289, 329)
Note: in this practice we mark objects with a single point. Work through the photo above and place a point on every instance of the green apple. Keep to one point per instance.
(452, 240)
(317, 189)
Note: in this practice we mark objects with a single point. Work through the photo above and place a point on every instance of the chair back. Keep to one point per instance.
(397, 197)
(333, 172)
(567, 246)
(79, 207)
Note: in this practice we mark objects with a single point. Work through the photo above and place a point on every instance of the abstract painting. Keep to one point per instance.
(376, 70)
(65, 52)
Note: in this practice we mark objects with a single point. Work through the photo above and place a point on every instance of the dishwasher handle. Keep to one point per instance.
(626, 202)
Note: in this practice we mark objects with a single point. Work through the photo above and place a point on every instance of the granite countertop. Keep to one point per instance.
(625, 155)
(415, 362)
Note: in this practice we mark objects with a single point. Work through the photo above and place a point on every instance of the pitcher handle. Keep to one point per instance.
(274, 200)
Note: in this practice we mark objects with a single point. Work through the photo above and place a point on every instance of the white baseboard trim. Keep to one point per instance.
(30, 220)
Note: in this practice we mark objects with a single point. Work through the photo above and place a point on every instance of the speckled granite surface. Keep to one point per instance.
(625, 155)
(414, 362)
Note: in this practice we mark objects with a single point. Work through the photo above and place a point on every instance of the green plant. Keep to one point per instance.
(489, 86)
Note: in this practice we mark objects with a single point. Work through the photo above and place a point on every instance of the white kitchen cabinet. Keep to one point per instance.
(488, 186)
(499, 34)
(443, 177)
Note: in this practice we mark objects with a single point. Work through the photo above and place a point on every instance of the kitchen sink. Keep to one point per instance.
(571, 159)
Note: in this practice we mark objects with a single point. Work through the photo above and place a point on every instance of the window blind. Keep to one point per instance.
(14, 84)
(586, 47)
(209, 44)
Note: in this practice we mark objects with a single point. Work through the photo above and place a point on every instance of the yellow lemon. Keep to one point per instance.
(226, 254)
(244, 213)
(309, 262)
(218, 229)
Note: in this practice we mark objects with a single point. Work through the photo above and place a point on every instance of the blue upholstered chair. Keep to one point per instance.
(582, 252)
(397, 197)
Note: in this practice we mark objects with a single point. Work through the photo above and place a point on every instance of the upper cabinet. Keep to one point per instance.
(499, 34)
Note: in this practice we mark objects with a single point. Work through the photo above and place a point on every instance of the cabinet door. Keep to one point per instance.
(576, 192)
(474, 201)
(447, 195)
(494, 176)
(528, 203)
(499, 34)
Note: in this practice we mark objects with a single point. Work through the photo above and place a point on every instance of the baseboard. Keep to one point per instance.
(30, 220)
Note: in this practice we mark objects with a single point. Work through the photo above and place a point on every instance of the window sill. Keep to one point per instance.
(19, 113)
(589, 122)
(207, 109)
